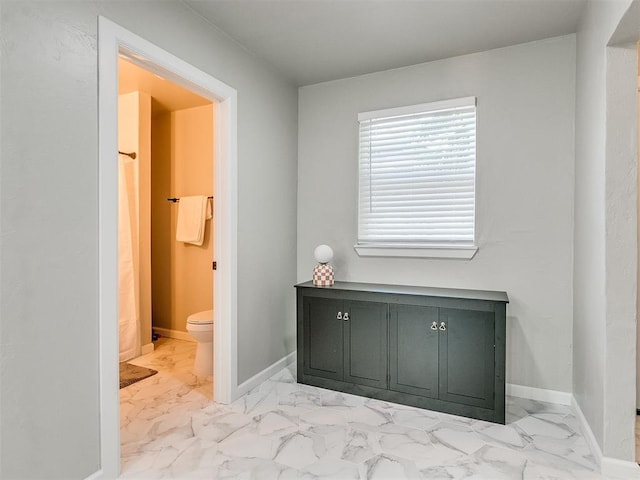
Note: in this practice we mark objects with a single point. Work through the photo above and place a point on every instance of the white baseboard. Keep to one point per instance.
(177, 334)
(609, 467)
(539, 394)
(614, 468)
(265, 374)
(148, 348)
(95, 475)
(587, 433)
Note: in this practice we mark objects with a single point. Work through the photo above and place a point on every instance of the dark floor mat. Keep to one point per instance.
(130, 374)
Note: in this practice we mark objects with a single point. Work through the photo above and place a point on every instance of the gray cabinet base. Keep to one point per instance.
(406, 399)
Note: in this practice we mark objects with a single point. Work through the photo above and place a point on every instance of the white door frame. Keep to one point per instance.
(114, 40)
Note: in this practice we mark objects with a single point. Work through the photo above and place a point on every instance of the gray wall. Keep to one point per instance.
(48, 217)
(590, 308)
(525, 169)
(621, 190)
(621, 252)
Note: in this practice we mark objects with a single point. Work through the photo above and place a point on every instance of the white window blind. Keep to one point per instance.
(417, 175)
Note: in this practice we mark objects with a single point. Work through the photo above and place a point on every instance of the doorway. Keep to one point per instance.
(114, 42)
(164, 277)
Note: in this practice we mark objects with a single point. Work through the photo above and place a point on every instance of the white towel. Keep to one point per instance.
(192, 213)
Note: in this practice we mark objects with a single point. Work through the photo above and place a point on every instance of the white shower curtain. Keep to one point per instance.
(128, 270)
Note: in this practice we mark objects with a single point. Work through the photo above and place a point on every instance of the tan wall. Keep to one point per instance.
(182, 278)
(134, 135)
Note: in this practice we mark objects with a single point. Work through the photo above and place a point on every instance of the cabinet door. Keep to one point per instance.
(467, 357)
(323, 343)
(365, 344)
(413, 350)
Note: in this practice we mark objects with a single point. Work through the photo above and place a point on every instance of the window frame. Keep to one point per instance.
(452, 250)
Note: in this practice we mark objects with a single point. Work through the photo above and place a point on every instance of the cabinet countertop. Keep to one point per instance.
(488, 295)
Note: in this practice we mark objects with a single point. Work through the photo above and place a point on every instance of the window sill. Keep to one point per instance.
(457, 252)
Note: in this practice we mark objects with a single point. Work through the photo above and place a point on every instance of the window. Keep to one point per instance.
(417, 180)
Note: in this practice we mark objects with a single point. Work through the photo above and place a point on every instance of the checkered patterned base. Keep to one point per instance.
(323, 275)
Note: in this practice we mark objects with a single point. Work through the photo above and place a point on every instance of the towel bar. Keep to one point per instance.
(174, 199)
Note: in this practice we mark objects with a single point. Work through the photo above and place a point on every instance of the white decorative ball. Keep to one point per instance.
(323, 253)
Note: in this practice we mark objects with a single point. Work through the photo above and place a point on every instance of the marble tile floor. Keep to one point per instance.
(171, 395)
(284, 430)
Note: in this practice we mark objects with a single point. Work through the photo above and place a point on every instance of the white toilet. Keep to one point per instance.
(200, 327)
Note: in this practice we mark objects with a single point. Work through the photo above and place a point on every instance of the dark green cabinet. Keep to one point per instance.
(413, 350)
(442, 353)
(345, 340)
(467, 357)
(441, 349)
(323, 348)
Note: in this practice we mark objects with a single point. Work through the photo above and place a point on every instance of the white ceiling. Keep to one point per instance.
(311, 41)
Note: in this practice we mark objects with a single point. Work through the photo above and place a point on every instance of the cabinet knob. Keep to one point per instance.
(434, 326)
(443, 326)
(346, 316)
(339, 316)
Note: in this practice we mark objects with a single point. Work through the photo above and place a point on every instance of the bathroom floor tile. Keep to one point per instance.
(170, 428)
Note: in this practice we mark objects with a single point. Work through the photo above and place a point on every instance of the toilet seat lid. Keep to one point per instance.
(201, 317)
